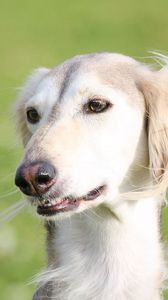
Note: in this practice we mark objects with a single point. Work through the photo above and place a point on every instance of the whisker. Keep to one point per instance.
(7, 176)
(11, 207)
(9, 213)
(7, 194)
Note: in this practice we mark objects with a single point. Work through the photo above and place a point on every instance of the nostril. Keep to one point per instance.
(22, 183)
(43, 178)
(46, 173)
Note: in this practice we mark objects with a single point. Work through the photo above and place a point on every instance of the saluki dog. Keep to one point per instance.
(95, 131)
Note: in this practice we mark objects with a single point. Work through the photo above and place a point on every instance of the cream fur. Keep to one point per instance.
(109, 248)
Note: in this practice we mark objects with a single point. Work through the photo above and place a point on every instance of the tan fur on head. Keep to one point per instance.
(155, 91)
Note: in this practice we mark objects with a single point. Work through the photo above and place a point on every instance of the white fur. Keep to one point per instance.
(109, 249)
(106, 259)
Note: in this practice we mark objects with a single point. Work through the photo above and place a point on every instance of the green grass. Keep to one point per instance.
(44, 33)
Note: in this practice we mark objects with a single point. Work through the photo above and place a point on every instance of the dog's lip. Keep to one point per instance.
(48, 207)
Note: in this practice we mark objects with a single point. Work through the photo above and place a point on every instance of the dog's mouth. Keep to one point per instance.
(49, 207)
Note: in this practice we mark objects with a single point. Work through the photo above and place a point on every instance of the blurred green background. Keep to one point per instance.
(44, 33)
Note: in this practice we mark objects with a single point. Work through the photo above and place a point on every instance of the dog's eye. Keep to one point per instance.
(32, 115)
(97, 106)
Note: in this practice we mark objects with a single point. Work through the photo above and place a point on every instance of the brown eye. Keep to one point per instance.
(97, 106)
(32, 116)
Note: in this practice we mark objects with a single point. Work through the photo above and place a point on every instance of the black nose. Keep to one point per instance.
(35, 178)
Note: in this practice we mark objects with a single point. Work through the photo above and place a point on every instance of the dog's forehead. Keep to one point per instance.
(110, 69)
(88, 72)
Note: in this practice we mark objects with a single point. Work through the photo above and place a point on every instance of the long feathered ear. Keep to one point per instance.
(155, 90)
(26, 92)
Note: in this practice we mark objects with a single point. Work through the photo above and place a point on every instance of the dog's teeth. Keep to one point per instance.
(46, 201)
(62, 206)
(54, 202)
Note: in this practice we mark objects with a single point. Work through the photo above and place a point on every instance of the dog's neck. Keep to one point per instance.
(101, 254)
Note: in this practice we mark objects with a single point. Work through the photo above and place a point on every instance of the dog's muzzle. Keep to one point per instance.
(37, 179)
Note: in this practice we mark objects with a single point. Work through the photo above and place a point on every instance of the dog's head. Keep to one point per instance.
(92, 127)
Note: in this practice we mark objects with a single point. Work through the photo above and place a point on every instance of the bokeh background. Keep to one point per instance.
(44, 33)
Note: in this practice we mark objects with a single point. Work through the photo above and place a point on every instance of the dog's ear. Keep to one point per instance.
(154, 86)
(26, 92)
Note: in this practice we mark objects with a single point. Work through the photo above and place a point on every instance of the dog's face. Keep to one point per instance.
(83, 127)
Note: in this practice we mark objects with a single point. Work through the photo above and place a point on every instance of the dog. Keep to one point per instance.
(95, 132)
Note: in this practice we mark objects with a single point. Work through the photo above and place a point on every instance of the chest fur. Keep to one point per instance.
(109, 260)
